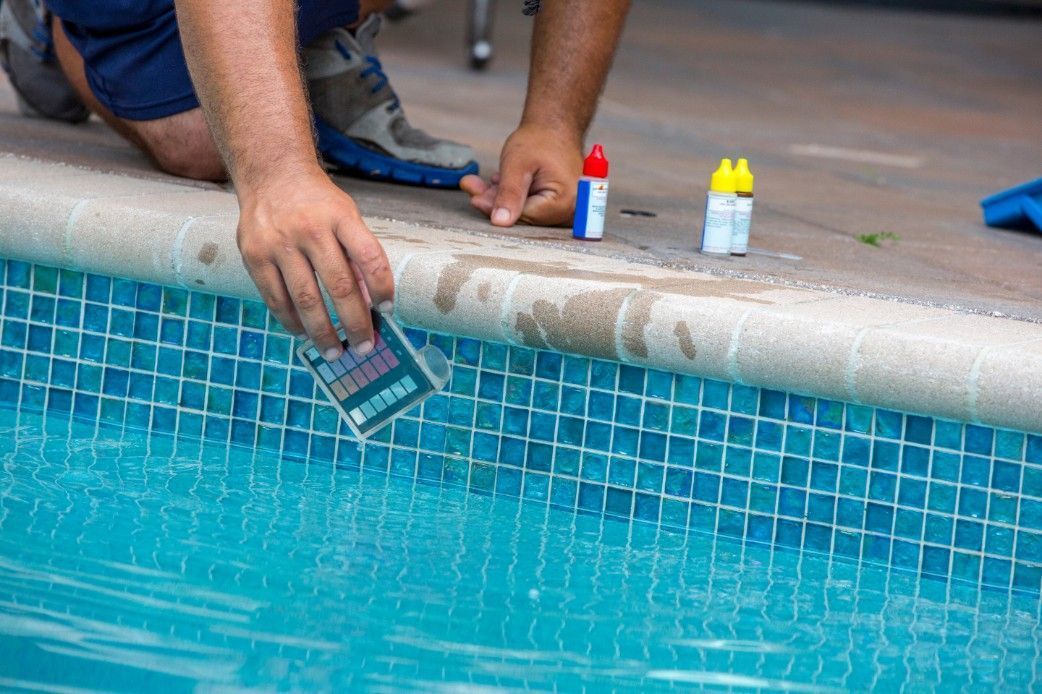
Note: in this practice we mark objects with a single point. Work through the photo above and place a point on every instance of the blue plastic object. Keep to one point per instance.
(1017, 208)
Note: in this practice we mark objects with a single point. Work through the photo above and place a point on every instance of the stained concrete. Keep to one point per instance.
(856, 120)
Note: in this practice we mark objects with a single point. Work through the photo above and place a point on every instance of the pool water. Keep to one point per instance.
(130, 562)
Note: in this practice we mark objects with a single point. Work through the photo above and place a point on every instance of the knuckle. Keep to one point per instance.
(369, 250)
(253, 254)
(342, 288)
(274, 300)
(308, 300)
(313, 234)
(372, 258)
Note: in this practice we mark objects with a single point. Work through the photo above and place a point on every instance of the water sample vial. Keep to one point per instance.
(369, 391)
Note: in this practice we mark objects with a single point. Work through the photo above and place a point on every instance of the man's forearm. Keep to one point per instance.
(572, 49)
(243, 60)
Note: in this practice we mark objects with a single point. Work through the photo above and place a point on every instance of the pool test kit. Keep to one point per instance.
(591, 200)
(371, 390)
(729, 210)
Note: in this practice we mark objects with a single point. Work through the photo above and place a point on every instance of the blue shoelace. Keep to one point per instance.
(375, 68)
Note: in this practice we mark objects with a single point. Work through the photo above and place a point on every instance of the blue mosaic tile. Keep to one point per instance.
(829, 414)
(919, 429)
(659, 385)
(772, 404)
(801, 409)
(687, 389)
(631, 379)
(683, 421)
(715, 394)
(744, 399)
(627, 411)
(948, 435)
(737, 461)
(798, 440)
(979, 439)
(1033, 454)
(858, 419)
(915, 460)
(889, 424)
(681, 451)
(1009, 445)
(656, 417)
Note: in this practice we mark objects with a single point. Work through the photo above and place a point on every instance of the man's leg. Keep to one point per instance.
(179, 144)
(362, 128)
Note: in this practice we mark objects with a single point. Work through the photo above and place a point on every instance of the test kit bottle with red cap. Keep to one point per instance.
(591, 202)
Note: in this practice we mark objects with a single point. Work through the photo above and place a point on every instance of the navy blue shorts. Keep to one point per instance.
(132, 49)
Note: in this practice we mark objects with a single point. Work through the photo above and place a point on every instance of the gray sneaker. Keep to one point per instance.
(27, 56)
(361, 126)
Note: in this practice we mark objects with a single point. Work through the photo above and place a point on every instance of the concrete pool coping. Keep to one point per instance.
(857, 349)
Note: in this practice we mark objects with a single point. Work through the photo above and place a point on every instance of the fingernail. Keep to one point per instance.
(501, 216)
(386, 307)
(363, 348)
(332, 354)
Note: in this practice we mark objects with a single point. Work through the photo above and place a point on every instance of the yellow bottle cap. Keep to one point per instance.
(722, 180)
(743, 177)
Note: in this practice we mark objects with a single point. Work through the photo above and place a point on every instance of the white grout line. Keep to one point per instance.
(504, 310)
(732, 349)
(177, 251)
(620, 326)
(854, 363)
(70, 223)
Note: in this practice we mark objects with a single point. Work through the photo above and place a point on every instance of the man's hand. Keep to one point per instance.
(536, 182)
(291, 229)
(542, 161)
(293, 221)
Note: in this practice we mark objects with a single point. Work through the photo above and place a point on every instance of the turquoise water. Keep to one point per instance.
(134, 563)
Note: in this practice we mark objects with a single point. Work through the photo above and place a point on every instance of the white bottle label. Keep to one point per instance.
(597, 210)
(719, 224)
(743, 217)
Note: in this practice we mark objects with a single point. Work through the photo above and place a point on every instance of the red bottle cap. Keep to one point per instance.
(596, 166)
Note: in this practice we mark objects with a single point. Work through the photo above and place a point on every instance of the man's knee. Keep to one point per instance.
(182, 145)
(199, 163)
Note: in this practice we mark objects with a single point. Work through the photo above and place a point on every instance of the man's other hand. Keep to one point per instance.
(301, 225)
(536, 183)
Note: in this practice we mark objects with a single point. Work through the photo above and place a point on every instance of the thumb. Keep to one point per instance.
(515, 181)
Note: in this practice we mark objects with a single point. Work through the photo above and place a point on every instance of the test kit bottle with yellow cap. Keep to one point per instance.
(720, 203)
(743, 208)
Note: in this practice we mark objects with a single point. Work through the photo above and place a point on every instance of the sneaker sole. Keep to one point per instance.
(349, 156)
